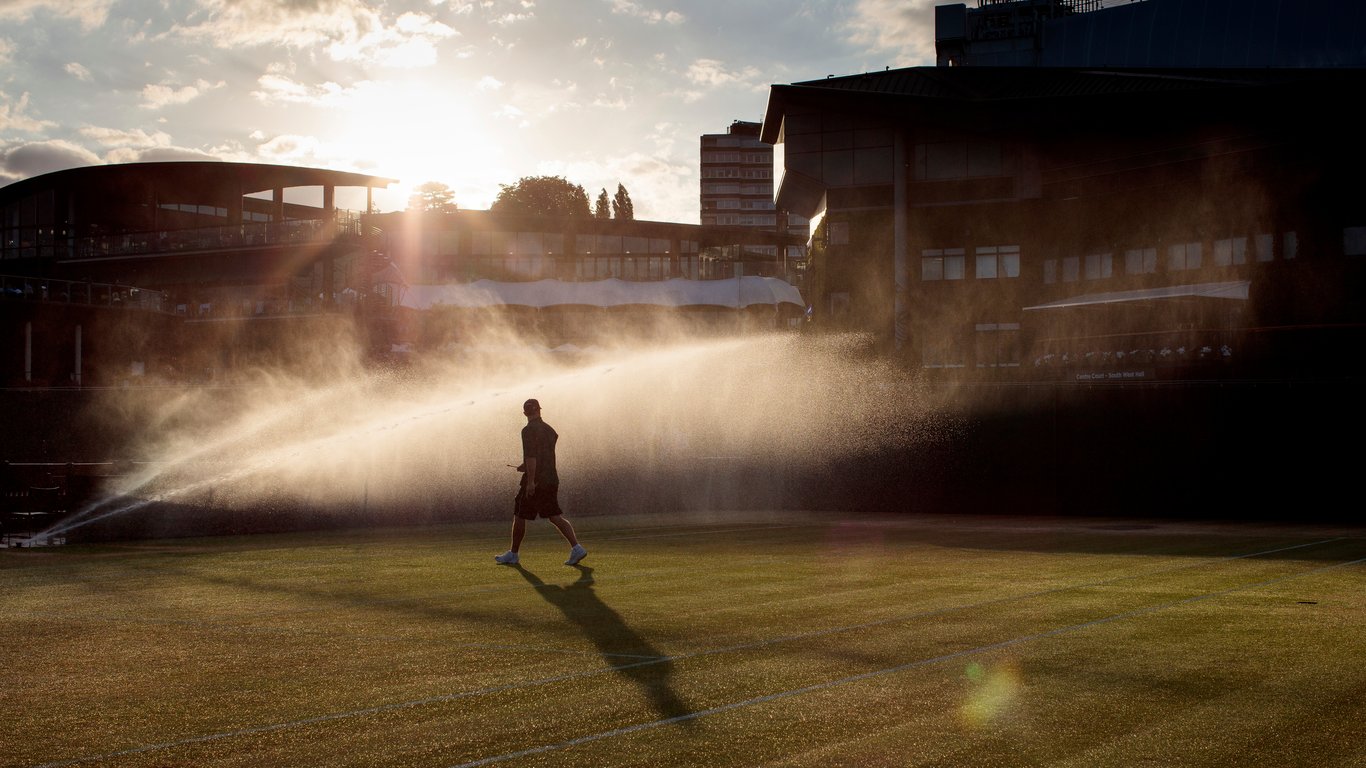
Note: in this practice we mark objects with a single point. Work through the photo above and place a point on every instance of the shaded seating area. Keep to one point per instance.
(32, 499)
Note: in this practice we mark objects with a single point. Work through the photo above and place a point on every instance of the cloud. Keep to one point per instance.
(292, 149)
(6, 50)
(91, 14)
(713, 73)
(21, 161)
(158, 95)
(409, 44)
(114, 137)
(278, 87)
(649, 16)
(78, 71)
(902, 27)
(14, 116)
(347, 30)
(488, 83)
(508, 19)
(157, 155)
(464, 7)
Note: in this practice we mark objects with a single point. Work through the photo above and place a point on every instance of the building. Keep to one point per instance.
(190, 269)
(115, 272)
(737, 186)
(592, 263)
(1151, 33)
(1077, 224)
(1090, 168)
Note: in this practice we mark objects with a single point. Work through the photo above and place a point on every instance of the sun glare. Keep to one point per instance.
(421, 131)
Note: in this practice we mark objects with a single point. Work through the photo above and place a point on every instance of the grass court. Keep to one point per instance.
(708, 640)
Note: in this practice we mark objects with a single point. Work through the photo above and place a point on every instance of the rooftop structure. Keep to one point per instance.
(1151, 33)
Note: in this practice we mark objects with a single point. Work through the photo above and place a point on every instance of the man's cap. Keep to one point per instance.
(532, 404)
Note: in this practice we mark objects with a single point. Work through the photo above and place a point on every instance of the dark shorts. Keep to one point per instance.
(544, 503)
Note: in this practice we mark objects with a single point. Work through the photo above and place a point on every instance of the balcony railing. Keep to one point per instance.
(20, 288)
(344, 226)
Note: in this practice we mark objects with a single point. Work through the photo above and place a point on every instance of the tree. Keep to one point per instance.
(603, 209)
(621, 205)
(432, 196)
(542, 196)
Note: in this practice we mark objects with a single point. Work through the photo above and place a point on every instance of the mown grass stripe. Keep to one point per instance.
(489, 690)
(889, 670)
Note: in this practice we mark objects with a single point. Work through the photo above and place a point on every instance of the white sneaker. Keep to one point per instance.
(507, 558)
(576, 553)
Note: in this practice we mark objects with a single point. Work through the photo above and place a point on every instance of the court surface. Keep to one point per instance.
(709, 640)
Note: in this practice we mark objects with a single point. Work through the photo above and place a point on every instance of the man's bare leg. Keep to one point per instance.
(566, 530)
(518, 531)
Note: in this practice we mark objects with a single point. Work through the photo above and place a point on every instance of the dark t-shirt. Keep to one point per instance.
(538, 442)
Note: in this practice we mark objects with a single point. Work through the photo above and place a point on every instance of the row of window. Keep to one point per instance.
(995, 345)
(731, 141)
(743, 220)
(737, 157)
(1004, 261)
(1179, 257)
(640, 268)
(737, 173)
(738, 189)
(730, 203)
(991, 261)
(216, 211)
(448, 243)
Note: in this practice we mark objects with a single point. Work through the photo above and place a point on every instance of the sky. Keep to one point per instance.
(473, 94)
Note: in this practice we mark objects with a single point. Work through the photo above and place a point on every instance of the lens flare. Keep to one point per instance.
(991, 692)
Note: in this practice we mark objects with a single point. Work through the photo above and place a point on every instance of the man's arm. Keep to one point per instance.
(530, 465)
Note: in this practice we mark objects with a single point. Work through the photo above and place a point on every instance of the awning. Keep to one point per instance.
(735, 293)
(1236, 290)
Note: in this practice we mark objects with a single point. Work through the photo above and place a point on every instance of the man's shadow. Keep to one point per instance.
(644, 665)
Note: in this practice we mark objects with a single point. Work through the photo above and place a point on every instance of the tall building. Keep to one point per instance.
(1150, 33)
(737, 186)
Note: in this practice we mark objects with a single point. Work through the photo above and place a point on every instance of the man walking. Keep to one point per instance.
(539, 493)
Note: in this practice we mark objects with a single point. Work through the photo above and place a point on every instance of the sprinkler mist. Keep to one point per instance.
(642, 426)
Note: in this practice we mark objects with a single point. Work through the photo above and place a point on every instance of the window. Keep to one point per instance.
(530, 244)
(1182, 256)
(998, 345)
(947, 160)
(1354, 241)
(986, 265)
(1099, 266)
(1230, 251)
(448, 243)
(958, 160)
(1071, 269)
(1140, 261)
(998, 261)
(939, 351)
(1265, 252)
(1290, 245)
(1050, 271)
(942, 264)
(608, 244)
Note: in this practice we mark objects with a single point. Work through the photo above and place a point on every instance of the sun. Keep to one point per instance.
(421, 130)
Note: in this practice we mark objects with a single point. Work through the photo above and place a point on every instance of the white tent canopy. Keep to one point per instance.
(736, 293)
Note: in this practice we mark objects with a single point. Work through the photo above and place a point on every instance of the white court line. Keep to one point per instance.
(274, 727)
(892, 670)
